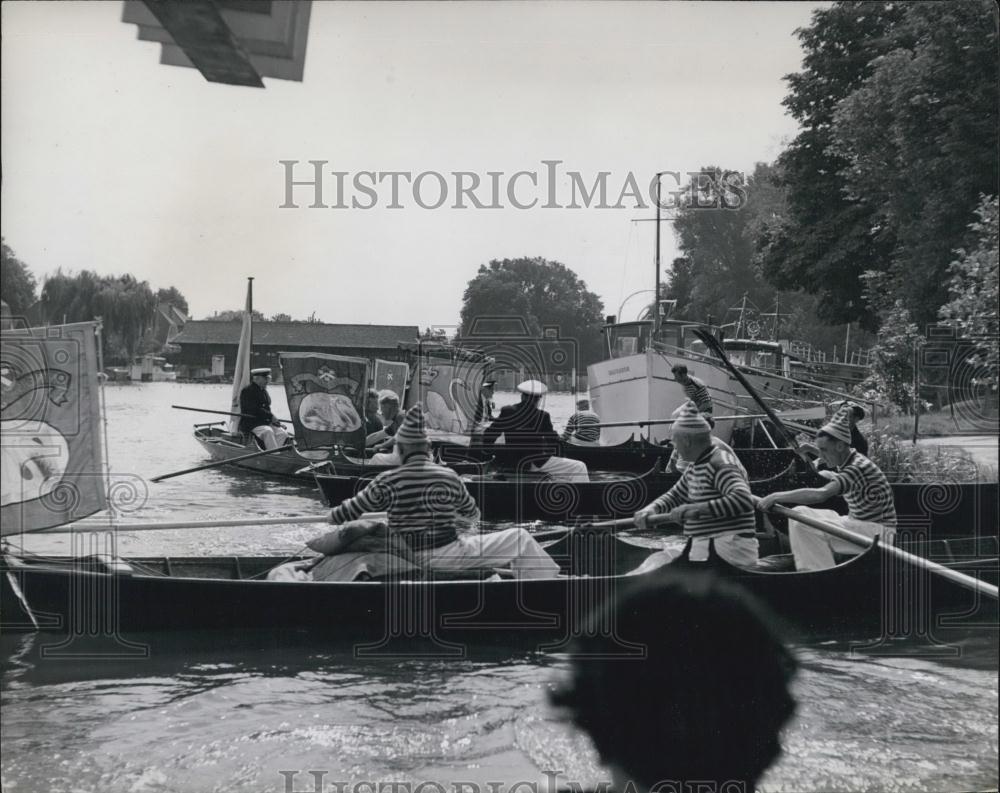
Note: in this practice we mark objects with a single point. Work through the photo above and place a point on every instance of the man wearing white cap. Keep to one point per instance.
(712, 499)
(427, 502)
(257, 418)
(528, 429)
(870, 508)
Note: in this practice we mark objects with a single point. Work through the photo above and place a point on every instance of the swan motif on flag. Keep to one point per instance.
(33, 453)
(443, 405)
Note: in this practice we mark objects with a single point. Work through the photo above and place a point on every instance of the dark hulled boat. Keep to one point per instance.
(869, 596)
(926, 511)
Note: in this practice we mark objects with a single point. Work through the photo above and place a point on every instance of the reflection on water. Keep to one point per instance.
(210, 712)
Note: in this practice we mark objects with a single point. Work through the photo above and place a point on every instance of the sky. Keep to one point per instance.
(115, 163)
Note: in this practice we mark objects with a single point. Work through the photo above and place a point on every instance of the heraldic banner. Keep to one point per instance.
(391, 375)
(51, 427)
(448, 387)
(326, 396)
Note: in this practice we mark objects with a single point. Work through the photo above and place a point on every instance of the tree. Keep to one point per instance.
(173, 297)
(825, 240)
(235, 315)
(919, 140)
(891, 360)
(974, 291)
(542, 293)
(17, 284)
(282, 318)
(125, 305)
(715, 232)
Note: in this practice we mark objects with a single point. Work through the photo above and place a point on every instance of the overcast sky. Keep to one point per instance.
(115, 163)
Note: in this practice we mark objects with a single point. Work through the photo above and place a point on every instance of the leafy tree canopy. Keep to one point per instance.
(899, 114)
(125, 305)
(236, 315)
(17, 284)
(919, 139)
(974, 290)
(542, 293)
(174, 297)
(825, 241)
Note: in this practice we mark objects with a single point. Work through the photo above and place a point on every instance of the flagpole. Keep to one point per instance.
(99, 333)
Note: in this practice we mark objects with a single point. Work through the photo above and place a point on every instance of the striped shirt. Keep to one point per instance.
(423, 500)
(584, 425)
(717, 482)
(866, 490)
(696, 391)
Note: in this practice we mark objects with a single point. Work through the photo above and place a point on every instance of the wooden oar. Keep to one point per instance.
(653, 422)
(218, 463)
(187, 524)
(713, 344)
(613, 525)
(225, 413)
(963, 580)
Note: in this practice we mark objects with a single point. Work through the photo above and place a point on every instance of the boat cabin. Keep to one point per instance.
(632, 338)
(768, 356)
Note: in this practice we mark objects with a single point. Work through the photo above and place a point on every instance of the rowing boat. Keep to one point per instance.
(866, 596)
(522, 497)
(931, 510)
(233, 448)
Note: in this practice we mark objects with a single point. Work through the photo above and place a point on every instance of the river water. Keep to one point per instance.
(265, 713)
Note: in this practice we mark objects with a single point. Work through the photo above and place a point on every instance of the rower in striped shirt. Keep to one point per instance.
(870, 508)
(711, 500)
(695, 390)
(427, 504)
(584, 426)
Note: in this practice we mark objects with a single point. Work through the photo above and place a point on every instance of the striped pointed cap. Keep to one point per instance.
(412, 429)
(839, 426)
(690, 421)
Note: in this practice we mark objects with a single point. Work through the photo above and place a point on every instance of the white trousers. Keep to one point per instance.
(814, 549)
(513, 547)
(738, 551)
(272, 437)
(386, 458)
(562, 469)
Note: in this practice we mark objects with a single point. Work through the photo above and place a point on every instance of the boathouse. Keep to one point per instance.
(207, 348)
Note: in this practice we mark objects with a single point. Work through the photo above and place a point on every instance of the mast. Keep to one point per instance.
(250, 310)
(656, 259)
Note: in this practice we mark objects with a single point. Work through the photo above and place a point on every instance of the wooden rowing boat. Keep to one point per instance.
(924, 510)
(223, 446)
(867, 596)
(226, 446)
(529, 497)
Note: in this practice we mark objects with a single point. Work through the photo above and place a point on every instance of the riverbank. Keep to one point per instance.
(981, 448)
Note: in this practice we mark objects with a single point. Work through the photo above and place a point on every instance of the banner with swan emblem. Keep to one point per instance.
(326, 396)
(50, 427)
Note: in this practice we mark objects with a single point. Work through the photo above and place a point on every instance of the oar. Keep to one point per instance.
(653, 422)
(713, 344)
(218, 463)
(963, 580)
(225, 413)
(188, 524)
(613, 525)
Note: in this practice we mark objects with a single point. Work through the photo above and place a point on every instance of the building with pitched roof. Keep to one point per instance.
(207, 348)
